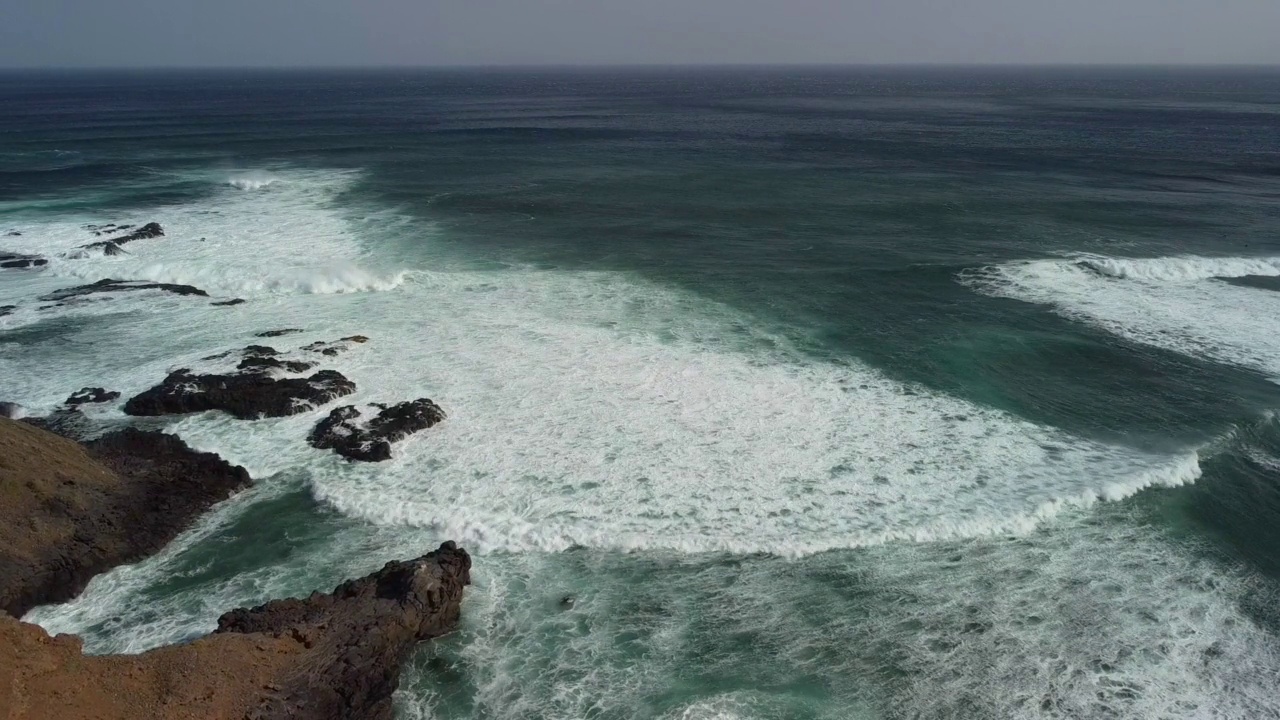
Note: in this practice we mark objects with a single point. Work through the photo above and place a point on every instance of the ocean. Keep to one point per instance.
(773, 393)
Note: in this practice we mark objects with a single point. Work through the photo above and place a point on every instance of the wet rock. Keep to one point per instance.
(13, 261)
(72, 511)
(91, 395)
(228, 303)
(357, 638)
(146, 232)
(108, 286)
(370, 441)
(338, 346)
(113, 249)
(278, 333)
(261, 359)
(13, 411)
(13, 233)
(248, 395)
(7, 310)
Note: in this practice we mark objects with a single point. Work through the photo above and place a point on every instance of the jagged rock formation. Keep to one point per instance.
(146, 232)
(18, 261)
(328, 657)
(371, 440)
(248, 395)
(91, 395)
(69, 512)
(106, 286)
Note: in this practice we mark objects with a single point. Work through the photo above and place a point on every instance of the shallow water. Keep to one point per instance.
(771, 394)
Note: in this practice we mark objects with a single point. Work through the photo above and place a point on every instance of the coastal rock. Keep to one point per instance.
(13, 411)
(13, 233)
(337, 346)
(278, 333)
(228, 303)
(370, 441)
(91, 395)
(70, 511)
(248, 395)
(328, 657)
(106, 286)
(7, 309)
(14, 261)
(261, 359)
(146, 232)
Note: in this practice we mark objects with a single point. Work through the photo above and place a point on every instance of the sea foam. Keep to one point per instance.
(1175, 303)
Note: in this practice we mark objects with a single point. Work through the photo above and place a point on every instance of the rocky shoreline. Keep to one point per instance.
(75, 502)
(72, 511)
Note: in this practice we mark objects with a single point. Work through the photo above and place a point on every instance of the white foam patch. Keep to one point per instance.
(689, 432)
(1172, 303)
(1088, 619)
(287, 237)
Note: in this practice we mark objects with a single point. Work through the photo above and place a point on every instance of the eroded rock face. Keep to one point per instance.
(370, 440)
(106, 286)
(248, 395)
(328, 657)
(91, 395)
(16, 261)
(357, 637)
(70, 511)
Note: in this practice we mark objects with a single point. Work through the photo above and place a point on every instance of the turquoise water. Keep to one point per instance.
(804, 393)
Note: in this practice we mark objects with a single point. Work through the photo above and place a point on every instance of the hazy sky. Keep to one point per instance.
(504, 32)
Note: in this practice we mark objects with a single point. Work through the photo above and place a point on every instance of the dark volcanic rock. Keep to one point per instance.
(105, 286)
(357, 637)
(150, 230)
(337, 346)
(70, 512)
(258, 358)
(91, 395)
(371, 441)
(248, 395)
(279, 333)
(228, 303)
(17, 261)
(7, 309)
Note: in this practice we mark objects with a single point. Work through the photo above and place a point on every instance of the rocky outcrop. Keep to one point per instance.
(69, 512)
(261, 359)
(328, 657)
(337, 346)
(89, 395)
(248, 395)
(370, 440)
(278, 333)
(108, 286)
(12, 261)
(228, 303)
(357, 637)
(146, 232)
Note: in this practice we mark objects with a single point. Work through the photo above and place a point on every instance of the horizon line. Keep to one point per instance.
(638, 66)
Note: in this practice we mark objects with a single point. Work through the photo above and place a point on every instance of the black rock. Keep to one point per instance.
(105, 286)
(278, 333)
(228, 303)
(338, 346)
(150, 230)
(260, 359)
(13, 233)
(113, 249)
(7, 309)
(14, 260)
(247, 395)
(91, 395)
(371, 441)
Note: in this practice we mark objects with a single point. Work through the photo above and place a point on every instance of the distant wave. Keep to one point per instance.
(1180, 268)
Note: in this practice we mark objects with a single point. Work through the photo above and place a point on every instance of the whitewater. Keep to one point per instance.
(594, 412)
